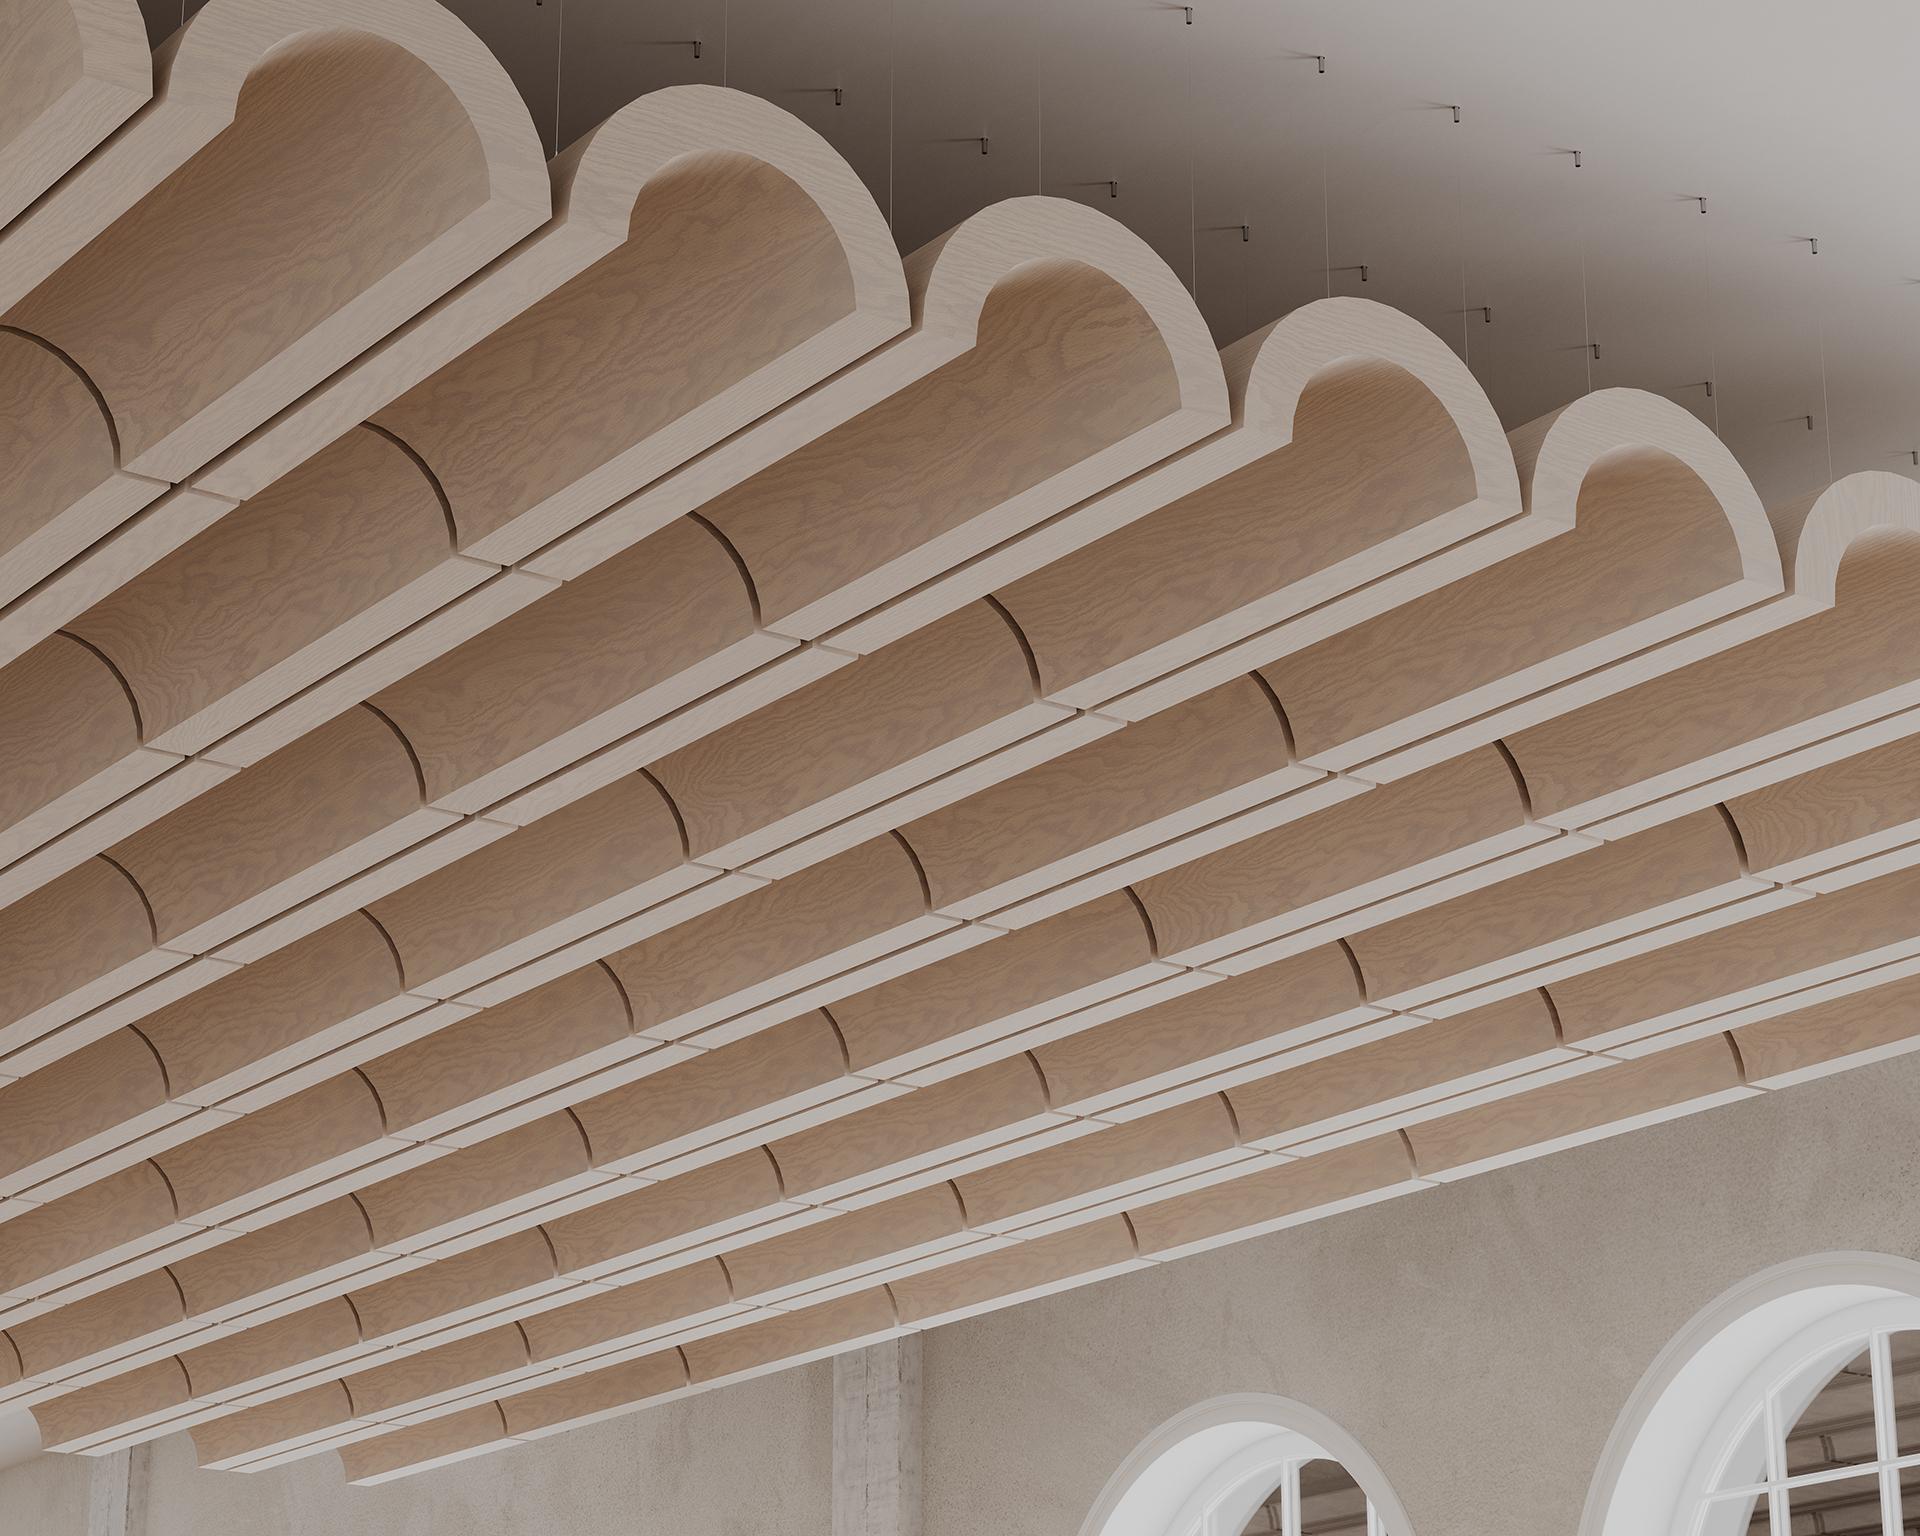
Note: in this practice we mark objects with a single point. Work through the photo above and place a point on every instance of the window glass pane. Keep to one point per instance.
(1847, 1506)
(1331, 1503)
(1746, 1464)
(1265, 1519)
(1905, 1349)
(1739, 1515)
(1836, 1429)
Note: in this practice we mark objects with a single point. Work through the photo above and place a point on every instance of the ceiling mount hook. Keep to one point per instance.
(1702, 202)
(1321, 60)
(983, 143)
(1456, 113)
(1363, 268)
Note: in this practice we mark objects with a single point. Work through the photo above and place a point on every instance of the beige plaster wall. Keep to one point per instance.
(752, 1460)
(1480, 1340)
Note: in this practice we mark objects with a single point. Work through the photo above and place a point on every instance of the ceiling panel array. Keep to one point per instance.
(609, 787)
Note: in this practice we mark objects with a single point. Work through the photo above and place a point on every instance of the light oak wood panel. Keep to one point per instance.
(633, 1313)
(728, 265)
(1023, 1272)
(583, 1399)
(213, 297)
(570, 672)
(1810, 827)
(1066, 364)
(627, 180)
(1113, 1164)
(1840, 667)
(600, 859)
(1337, 1094)
(1376, 461)
(303, 1414)
(1275, 1198)
(337, 555)
(386, 1389)
(504, 1055)
(1829, 937)
(336, 1125)
(148, 1394)
(1613, 1099)
(1443, 821)
(284, 1345)
(113, 1217)
(256, 1022)
(841, 1249)
(792, 1338)
(949, 380)
(1652, 554)
(147, 1307)
(80, 1105)
(452, 1290)
(849, 1158)
(611, 1238)
(1216, 1030)
(1267, 374)
(757, 951)
(1829, 1037)
(1520, 925)
(1174, 773)
(931, 702)
(71, 71)
(986, 994)
(246, 1274)
(70, 735)
(68, 947)
(232, 857)
(424, 1206)
(64, 485)
(734, 1089)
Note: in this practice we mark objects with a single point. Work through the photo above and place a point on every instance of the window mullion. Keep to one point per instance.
(1886, 1434)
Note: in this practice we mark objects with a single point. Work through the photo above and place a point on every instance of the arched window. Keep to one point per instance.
(1248, 1465)
(1789, 1408)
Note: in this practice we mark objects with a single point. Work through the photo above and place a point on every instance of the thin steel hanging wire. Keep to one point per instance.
(1706, 309)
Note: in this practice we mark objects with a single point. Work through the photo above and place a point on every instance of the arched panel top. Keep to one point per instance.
(601, 175)
(1271, 369)
(1558, 452)
(71, 71)
(207, 63)
(1817, 533)
(951, 279)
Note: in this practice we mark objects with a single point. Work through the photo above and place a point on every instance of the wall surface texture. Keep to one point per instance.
(753, 1459)
(1480, 1340)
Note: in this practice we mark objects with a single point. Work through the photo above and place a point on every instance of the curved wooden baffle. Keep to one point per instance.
(1360, 443)
(1836, 680)
(71, 71)
(1666, 536)
(1051, 355)
(223, 256)
(624, 365)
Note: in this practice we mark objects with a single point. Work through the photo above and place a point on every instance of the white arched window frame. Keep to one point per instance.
(1701, 1439)
(1206, 1471)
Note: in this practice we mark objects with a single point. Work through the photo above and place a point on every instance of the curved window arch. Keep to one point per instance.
(1790, 1406)
(1248, 1464)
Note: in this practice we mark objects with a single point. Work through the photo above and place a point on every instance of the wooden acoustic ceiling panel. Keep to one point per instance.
(609, 787)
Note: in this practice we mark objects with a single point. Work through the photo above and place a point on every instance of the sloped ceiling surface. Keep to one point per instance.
(608, 787)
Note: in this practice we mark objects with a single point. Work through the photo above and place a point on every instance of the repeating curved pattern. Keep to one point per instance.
(608, 787)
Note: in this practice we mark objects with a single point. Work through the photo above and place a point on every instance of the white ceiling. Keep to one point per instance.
(1792, 120)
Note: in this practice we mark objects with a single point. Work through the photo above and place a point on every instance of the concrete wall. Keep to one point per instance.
(1479, 1340)
(747, 1461)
